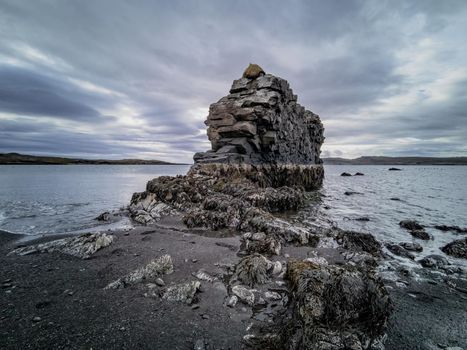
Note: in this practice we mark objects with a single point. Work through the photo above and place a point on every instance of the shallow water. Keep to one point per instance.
(432, 195)
(48, 199)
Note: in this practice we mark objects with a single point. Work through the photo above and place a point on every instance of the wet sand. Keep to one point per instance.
(57, 301)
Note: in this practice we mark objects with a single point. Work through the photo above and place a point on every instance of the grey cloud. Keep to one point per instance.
(167, 61)
(28, 93)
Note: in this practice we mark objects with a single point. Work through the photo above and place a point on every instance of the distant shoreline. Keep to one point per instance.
(365, 160)
(25, 159)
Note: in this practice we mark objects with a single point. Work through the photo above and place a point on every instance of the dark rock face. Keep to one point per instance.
(410, 225)
(400, 250)
(358, 241)
(415, 229)
(335, 307)
(259, 122)
(457, 249)
(456, 229)
(434, 261)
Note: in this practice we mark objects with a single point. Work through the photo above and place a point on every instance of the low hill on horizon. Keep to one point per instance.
(379, 160)
(17, 158)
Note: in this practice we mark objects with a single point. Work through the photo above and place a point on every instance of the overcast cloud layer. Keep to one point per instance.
(116, 79)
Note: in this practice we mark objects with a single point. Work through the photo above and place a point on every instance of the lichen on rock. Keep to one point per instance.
(82, 246)
(148, 273)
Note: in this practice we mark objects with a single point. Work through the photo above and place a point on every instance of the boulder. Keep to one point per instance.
(359, 241)
(253, 269)
(420, 234)
(456, 229)
(400, 251)
(335, 308)
(148, 273)
(410, 225)
(457, 249)
(253, 71)
(415, 247)
(434, 261)
(82, 246)
(183, 292)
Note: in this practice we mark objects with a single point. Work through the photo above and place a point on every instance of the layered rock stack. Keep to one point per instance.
(260, 122)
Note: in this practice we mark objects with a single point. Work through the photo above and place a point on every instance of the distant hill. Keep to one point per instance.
(397, 161)
(16, 158)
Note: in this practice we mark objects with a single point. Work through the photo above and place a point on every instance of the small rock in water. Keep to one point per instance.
(415, 247)
(420, 234)
(359, 174)
(456, 248)
(456, 229)
(401, 251)
(394, 169)
(434, 261)
(410, 225)
(350, 193)
(346, 174)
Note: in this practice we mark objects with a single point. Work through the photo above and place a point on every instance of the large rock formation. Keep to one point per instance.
(265, 153)
(261, 122)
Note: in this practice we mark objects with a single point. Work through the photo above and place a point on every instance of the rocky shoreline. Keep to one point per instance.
(55, 300)
(217, 264)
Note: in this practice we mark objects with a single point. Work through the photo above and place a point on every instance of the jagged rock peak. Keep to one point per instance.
(259, 122)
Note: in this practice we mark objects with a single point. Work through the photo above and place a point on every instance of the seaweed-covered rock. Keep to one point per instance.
(335, 308)
(183, 292)
(253, 269)
(457, 249)
(399, 250)
(359, 241)
(261, 243)
(82, 246)
(148, 273)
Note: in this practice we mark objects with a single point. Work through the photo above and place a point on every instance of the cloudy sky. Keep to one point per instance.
(116, 79)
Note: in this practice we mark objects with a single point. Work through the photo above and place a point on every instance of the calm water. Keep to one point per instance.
(41, 199)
